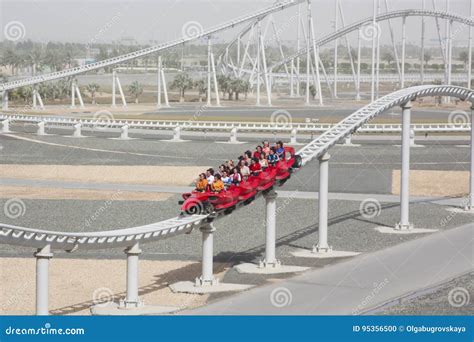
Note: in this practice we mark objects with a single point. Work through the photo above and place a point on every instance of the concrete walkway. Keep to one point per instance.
(361, 283)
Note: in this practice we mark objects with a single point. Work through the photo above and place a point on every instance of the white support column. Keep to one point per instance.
(270, 265)
(209, 70)
(298, 29)
(41, 126)
(6, 126)
(259, 33)
(5, 100)
(270, 241)
(450, 55)
(374, 23)
(293, 137)
(404, 37)
(42, 280)
(160, 66)
(322, 246)
(122, 95)
(265, 72)
(124, 132)
(132, 300)
(40, 100)
(422, 59)
(214, 76)
(404, 223)
(34, 97)
(469, 49)
(308, 54)
(207, 276)
(79, 96)
(319, 93)
(77, 131)
(377, 57)
(114, 76)
(470, 204)
(336, 41)
(165, 90)
(322, 249)
(233, 136)
(358, 65)
(73, 95)
(292, 79)
(207, 283)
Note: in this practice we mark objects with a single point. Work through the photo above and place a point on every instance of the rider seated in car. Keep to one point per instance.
(226, 179)
(273, 157)
(236, 177)
(255, 167)
(263, 161)
(266, 147)
(244, 169)
(280, 150)
(258, 152)
(201, 183)
(218, 184)
(210, 176)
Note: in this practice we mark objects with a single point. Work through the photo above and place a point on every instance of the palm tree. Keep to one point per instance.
(464, 57)
(92, 88)
(182, 82)
(388, 57)
(427, 58)
(135, 89)
(201, 86)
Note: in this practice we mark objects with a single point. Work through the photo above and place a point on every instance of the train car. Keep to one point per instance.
(207, 202)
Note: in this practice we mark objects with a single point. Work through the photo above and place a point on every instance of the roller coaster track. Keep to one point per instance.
(381, 17)
(280, 5)
(37, 238)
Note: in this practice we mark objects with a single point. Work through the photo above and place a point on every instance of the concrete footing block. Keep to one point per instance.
(268, 269)
(391, 230)
(114, 309)
(191, 287)
(306, 253)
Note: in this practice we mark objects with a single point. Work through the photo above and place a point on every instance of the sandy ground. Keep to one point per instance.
(94, 282)
(79, 194)
(156, 175)
(433, 183)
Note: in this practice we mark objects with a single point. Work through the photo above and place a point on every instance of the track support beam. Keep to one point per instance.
(42, 280)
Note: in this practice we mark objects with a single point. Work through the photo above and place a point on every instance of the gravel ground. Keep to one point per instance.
(455, 297)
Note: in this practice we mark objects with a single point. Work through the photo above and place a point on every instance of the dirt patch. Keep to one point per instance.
(76, 284)
(79, 194)
(433, 183)
(156, 175)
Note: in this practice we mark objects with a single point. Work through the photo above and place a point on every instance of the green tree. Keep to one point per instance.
(93, 88)
(427, 57)
(388, 57)
(182, 82)
(464, 57)
(201, 86)
(135, 89)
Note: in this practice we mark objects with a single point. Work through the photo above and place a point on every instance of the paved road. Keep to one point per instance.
(360, 283)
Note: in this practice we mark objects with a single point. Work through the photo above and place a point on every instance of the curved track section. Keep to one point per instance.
(127, 237)
(381, 17)
(353, 122)
(280, 5)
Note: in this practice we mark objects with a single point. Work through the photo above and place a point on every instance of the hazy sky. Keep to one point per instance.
(162, 20)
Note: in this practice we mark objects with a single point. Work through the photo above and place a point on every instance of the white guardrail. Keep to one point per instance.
(233, 128)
